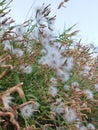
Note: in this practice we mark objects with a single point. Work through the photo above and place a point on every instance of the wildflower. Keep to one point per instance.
(60, 109)
(53, 81)
(96, 87)
(69, 64)
(89, 94)
(27, 110)
(90, 126)
(28, 47)
(27, 69)
(43, 51)
(51, 24)
(78, 123)
(53, 58)
(18, 52)
(48, 36)
(75, 84)
(7, 45)
(58, 106)
(40, 18)
(52, 91)
(53, 107)
(83, 128)
(70, 115)
(20, 30)
(66, 87)
(77, 89)
(86, 70)
(60, 47)
(64, 76)
(58, 100)
(6, 98)
(34, 34)
(3, 28)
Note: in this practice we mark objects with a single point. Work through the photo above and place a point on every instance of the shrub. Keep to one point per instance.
(47, 82)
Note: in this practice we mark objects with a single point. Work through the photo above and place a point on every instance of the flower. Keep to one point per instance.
(27, 69)
(63, 76)
(40, 18)
(43, 51)
(52, 91)
(89, 93)
(86, 70)
(60, 47)
(20, 30)
(75, 84)
(69, 64)
(57, 109)
(78, 123)
(4, 27)
(58, 106)
(83, 128)
(53, 58)
(96, 87)
(70, 115)
(6, 98)
(28, 47)
(27, 111)
(90, 126)
(34, 34)
(53, 81)
(7, 45)
(18, 52)
(66, 87)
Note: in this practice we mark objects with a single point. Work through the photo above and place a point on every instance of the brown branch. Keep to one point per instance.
(3, 59)
(3, 73)
(12, 118)
(7, 66)
(16, 89)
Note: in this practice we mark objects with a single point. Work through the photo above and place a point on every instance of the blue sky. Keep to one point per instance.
(80, 12)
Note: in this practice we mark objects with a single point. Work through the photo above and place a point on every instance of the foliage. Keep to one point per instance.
(47, 82)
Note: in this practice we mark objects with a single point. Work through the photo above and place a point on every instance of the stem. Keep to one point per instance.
(17, 82)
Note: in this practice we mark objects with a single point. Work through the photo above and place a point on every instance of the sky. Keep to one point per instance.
(83, 13)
